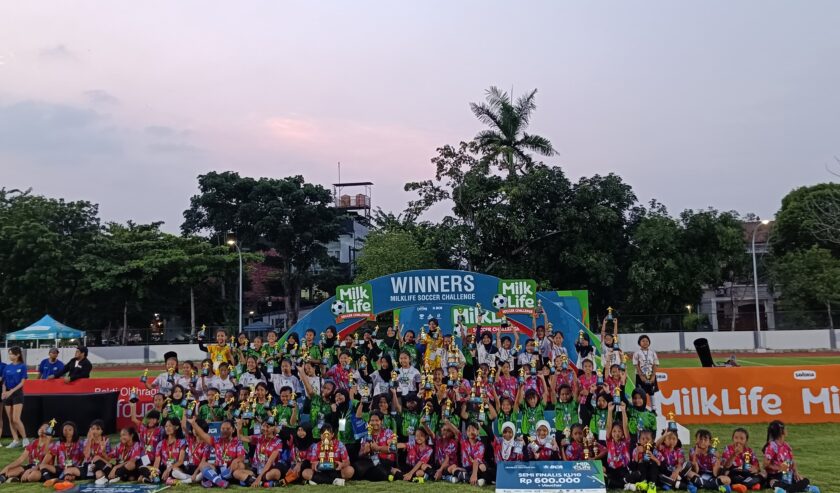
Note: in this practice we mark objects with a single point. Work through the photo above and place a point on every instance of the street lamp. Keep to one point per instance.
(232, 242)
(758, 344)
(688, 307)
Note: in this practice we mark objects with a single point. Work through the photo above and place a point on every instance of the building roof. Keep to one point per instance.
(763, 233)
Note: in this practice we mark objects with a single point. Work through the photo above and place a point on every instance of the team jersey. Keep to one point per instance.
(36, 451)
(150, 438)
(639, 455)
(671, 458)
(219, 353)
(640, 420)
(705, 459)
(419, 452)
(471, 452)
(125, 453)
(337, 448)
(68, 454)
(507, 452)
(339, 376)
(506, 386)
(101, 448)
(542, 450)
(446, 448)
(565, 415)
(530, 416)
(227, 450)
(383, 439)
(739, 460)
(777, 454)
(264, 447)
(574, 451)
(197, 451)
(618, 453)
(170, 452)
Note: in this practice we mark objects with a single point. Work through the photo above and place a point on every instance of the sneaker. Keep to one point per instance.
(115, 480)
(481, 482)
(221, 483)
(25, 442)
(13, 444)
(813, 489)
(739, 488)
(778, 490)
(691, 488)
(312, 483)
(206, 483)
(629, 487)
(180, 475)
(651, 488)
(338, 482)
(50, 482)
(756, 487)
(725, 488)
(13, 480)
(390, 478)
(64, 485)
(101, 481)
(641, 486)
(419, 480)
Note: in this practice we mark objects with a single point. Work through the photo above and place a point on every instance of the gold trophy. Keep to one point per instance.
(326, 455)
(580, 335)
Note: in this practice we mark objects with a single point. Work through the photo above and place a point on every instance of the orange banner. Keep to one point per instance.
(795, 394)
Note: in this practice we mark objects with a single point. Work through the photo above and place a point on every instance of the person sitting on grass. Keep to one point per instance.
(779, 466)
(740, 463)
(123, 462)
(63, 463)
(25, 469)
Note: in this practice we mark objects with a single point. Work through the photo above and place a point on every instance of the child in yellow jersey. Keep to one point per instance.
(218, 353)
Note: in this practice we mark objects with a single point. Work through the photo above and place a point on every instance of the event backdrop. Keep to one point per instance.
(417, 296)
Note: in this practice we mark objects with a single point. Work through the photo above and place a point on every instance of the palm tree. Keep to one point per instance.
(506, 143)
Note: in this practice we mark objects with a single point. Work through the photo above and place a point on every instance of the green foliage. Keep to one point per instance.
(808, 279)
(391, 250)
(808, 216)
(293, 218)
(673, 259)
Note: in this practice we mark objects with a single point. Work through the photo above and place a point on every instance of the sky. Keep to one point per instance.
(697, 103)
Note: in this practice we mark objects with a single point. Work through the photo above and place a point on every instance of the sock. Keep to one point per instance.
(209, 474)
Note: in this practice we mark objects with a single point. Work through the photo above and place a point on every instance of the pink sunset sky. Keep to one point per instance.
(712, 103)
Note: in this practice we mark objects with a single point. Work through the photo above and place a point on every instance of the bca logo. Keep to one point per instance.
(662, 377)
(805, 374)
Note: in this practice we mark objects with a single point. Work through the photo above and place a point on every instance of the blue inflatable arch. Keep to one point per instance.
(418, 295)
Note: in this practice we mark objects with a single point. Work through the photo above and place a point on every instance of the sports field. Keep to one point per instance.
(814, 445)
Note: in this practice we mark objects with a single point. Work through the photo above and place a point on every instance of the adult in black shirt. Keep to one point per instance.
(76, 368)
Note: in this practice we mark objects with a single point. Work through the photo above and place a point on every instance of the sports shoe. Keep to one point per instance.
(725, 488)
(651, 488)
(13, 480)
(114, 480)
(691, 488)
(206, 483)
(813, 489)
(63, 485)
(481, 482)
(101, 481)
(641, 486)
(418, 480)
(25, 442)
(13, 444)
(629, 487)
(50, 482)
(391, 478)
(221, 483)
(739, 488)
(756, 487)
(338, 482)
(778, 490)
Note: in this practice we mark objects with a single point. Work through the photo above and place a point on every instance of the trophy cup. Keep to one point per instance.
(202, 333)
(472, 342)
(170, 375)
(600, 379)
(648, 449)
(227, 402)
(617, 398)
(392, 444)
(167, 409)
(551, 368)
(672, 425)
(293, 352)
(521, 379)
(615, 337)
(623, 365)
(292, 400)
(713, 448)
(447, 408)
(132, 397)
(193, 378)
(242, 411)
(364, 392)
(145, 377)
(50, 431)
(564, 362)
(350, 379)
(539, 307)
(190, 410)
(205, 369)
(747, 460)
(482, 416)
(394, 379)
(609, 314)
(326, 456)
(492, 378)
(232, 343)
(533, 366)
(580, 336)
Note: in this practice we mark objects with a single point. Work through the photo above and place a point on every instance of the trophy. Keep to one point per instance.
(369, 432)
(293, 352)
(364, 391)
(191, 409)
(145, 377)
(423, 335)
(202, 333)
(272, 417)
(551, 368)
(132, 396)
(293, 400)
(472, 342)
(617, 398)
(170, 375)
(392, 444)
(615, 337)
(517, 349)
(186, 399)
(482, 416)
(394, 379)
(648, 449)
(227, 402)
(600, 379)
(609, 314)
(447, 408)
(350, 379)
(580, 336)
(492, 378)
(672, 425)
(193, 378)
(50, 431)
(429, 382)
(564, 362)
(427, 413)
(521, 375)
(326, 456)
(533, 366)
(713, 448)
(243, 409)
(747, 460)
(167, 409)
(232, 343)
(205, 369)
(623, 365)
(539, 307)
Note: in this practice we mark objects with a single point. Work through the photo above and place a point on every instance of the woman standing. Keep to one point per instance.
(13, 376)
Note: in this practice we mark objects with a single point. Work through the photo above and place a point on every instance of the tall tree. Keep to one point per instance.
(809, 279)
(294, 218)
(387, 251)
(808, 216)
(506, 143)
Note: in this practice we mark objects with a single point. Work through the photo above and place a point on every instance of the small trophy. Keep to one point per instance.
(193, 378)
(293, 400)
(186, 399)
(533, 366)
(191, 409)
(540, 307)
(447, 409)
(713, 448)
(551, 369)
(672, 425)
(272, 417)
(648, 449)
(205, 369)
(521, 379)
(145, 377)
(394, 379)
(202, 333)
(50, 431)
(132, 397)
(492, 378)
(392, 444)
(170, 375)
(617, 398)
(623, 365)
(472, 342)
(609, 314)
(482, 416)
(427, 413)
(564, 362)
(232, 343)
(615, 338)
(747, 460)
(600, 378)
(580, 336)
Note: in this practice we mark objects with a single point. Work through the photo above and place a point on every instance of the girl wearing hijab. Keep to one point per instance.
(508, 448)
(486, 351)
(543, 445)
(390, 344)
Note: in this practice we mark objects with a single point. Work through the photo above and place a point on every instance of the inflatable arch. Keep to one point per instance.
(419, 295)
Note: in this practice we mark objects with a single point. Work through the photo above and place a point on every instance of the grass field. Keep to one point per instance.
(814, 445)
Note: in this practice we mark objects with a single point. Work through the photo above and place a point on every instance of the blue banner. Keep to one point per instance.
(540, 477)
(120, 488)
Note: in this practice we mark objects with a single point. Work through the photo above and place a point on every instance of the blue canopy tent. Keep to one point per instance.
(47, 328)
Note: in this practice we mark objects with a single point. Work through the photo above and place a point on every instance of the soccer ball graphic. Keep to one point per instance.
(338, 307)
(499, 301)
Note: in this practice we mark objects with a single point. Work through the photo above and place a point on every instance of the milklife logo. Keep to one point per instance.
(516, 296)
(353, 301)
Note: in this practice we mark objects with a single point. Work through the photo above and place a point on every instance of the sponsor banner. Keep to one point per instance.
(353, 301)
(516, 297)
(793, 394)
(123, 386)
(545, 476)
(473, 316)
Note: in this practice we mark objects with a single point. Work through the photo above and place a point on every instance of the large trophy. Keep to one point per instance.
(326, 456)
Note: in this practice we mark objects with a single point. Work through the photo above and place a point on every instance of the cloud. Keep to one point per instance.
(160, 131)
(169, 140)
(57, 53)
(38, 128)
(100, 97)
